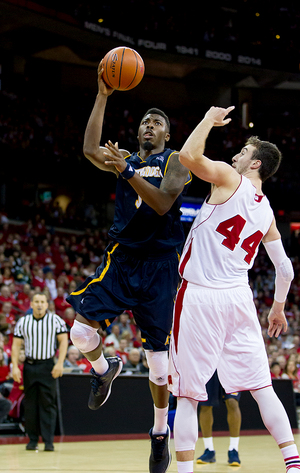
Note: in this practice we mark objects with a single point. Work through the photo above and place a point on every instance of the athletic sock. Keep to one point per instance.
(100, 365)
(160, 420)
(234, 443)
(185, 467)
(208, 443)
(291, 458)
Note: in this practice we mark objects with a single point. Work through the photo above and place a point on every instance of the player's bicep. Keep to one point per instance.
(175, 177)
(215, 172)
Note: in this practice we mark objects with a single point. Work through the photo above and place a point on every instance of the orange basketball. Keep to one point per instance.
(123, 68)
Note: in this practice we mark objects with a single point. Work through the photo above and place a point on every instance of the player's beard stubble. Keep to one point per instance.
(148, 146)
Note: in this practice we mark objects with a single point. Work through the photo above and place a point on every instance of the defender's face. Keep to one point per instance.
(153, 128)
(242, 161)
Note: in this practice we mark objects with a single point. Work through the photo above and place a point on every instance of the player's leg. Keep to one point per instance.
(206, 419)
(84, 335)
(160, 457)
(234, 419)
(153, 316)
(277, 422)
(185, 433)
(98, 301)
(86, 338)
(158, 372)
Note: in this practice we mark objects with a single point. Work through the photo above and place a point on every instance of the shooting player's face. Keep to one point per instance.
(242, 161)
(153, 130)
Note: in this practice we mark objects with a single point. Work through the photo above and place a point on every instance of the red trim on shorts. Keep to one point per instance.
(177, 311)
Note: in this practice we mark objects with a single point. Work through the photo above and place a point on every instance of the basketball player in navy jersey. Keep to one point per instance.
(140, 267)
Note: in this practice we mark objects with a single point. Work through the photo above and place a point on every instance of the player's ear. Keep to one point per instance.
(167, 137)
(256, 164)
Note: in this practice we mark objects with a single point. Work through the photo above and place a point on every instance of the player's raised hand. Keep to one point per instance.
(114, 157)
(104, 89)
(218, 114)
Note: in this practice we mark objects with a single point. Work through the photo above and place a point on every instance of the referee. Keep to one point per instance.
(40, 331)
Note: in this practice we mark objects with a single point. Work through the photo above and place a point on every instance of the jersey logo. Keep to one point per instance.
(150, 171)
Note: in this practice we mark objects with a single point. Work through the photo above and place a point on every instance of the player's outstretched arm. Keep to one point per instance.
(284, 275)
(93, 132)
(191, 154)
(159, 199)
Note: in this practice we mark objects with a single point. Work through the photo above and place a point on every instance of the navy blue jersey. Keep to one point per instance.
(138, 226)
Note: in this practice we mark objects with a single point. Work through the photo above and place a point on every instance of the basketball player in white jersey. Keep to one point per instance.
(215, 320)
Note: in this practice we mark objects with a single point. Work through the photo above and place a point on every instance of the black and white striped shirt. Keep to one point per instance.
(40, 334)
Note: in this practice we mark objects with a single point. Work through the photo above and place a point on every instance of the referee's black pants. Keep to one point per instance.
(40, 408)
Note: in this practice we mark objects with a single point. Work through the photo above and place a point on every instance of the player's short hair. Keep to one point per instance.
(157, 111)
(268, 154)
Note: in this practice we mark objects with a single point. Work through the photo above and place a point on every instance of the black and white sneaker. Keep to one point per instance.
(160, 457)
(101, 384)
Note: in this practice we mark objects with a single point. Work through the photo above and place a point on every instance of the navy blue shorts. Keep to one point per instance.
(146, 285)
(216, 393)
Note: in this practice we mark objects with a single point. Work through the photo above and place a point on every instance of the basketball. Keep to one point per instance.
(123, 68)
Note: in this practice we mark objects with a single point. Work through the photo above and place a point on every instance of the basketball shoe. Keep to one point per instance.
(209, 456)
(101, 384)
(233, 458)
(160, 457)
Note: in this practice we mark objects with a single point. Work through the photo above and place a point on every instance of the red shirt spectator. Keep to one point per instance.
(38, 279)
(60, 302)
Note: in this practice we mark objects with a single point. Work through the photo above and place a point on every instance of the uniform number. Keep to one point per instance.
(231, 230)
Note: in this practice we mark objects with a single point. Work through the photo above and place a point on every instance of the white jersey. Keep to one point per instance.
(223, 241)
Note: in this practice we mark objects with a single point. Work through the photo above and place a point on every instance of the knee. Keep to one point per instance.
(232, 405)
(84, 337)
(158, 366)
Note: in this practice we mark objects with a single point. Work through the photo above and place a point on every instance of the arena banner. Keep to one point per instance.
(269, 60)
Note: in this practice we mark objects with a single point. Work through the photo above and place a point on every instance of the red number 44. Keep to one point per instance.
(231, 230)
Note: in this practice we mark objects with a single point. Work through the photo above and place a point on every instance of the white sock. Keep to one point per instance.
(291, 458)
(100, 365)
(208, 443)
(234, 443)
(185, 467)
(160, 420)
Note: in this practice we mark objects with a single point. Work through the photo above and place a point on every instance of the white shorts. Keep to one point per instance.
(216, 329)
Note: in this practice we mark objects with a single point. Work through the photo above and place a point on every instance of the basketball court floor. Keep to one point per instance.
(258, 453)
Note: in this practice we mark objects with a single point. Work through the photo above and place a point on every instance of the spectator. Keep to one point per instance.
(69, 316)
(291, 372)
(124, 324)
(133, 364)
(4, 368)
(16, 394)
(122, 351)
(38, 279)
(113, 337)
(275, 370)
(51, 284)
(60, 302)
(72, 358)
